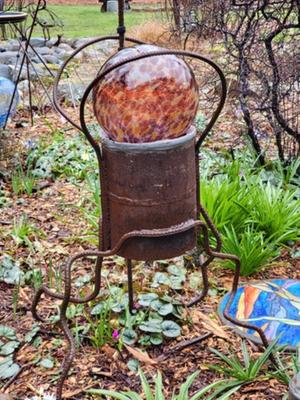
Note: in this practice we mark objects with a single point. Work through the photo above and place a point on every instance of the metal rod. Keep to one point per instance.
(23, 60)
(121, 28)
(130, 285)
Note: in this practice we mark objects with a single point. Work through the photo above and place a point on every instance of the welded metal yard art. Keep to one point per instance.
(149, 191)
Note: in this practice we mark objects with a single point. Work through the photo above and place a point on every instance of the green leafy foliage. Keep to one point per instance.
(70, 157)
(10, 271)
(24, 232)
(256, 210)
(23, 182)
(157, 393)
(154, 319)
(8, 344)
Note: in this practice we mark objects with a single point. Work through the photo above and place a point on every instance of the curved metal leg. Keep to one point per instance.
(234, 321)
(67, 299)
(130, 285)
(205, 264)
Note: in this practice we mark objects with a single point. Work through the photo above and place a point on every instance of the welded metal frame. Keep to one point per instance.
(202, 225)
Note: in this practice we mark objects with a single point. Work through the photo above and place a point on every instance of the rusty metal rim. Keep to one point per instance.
(158, 145)
(183, 53)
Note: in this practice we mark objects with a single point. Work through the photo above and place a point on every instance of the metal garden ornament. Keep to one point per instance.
(145, 100)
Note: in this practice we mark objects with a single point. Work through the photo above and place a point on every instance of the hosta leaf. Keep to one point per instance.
(171, 329)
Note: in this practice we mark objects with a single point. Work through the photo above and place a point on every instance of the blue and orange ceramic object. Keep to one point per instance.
(273, 306)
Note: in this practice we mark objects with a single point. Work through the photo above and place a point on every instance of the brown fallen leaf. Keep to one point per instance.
(6, 397)
(139, 355)
(209, 324)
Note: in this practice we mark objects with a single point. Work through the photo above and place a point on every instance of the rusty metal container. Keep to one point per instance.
(149, 186)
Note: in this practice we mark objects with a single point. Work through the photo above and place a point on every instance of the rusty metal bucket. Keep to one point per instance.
(149, 186)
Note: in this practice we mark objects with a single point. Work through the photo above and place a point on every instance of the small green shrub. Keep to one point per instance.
(157, 393)
(250, 247)
(23, 182)
(256, 210)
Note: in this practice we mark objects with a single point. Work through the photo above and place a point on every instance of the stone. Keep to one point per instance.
(51, 59)
(66, 54)
(5, 71)
(44, 50)
(80, 42)
(9, 57)
(51, 42)
(23, 88)
(112, 6)
(65, 47)
(37, 42)
(13, 45)
(71, 92)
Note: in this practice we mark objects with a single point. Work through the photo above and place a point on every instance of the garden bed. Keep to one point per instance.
(39, 230)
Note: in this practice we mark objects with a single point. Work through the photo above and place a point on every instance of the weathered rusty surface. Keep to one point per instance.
(150, 189)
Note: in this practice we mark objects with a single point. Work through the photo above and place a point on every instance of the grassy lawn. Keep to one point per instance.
(88, 21)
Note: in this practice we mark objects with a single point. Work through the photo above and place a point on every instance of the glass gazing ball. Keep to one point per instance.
(151, 99)
(6, 91)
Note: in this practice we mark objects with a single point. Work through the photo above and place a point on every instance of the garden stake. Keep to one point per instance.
(145, 217)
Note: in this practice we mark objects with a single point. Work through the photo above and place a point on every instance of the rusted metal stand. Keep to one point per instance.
(165, 215)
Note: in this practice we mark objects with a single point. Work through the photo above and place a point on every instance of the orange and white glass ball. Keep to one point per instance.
(154, 98)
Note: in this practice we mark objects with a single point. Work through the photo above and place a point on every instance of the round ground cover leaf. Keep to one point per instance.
(9, 348)
(97, 309)
(10, 271)
(147, 298)
(7, 332)
(175, 270)
(8, 368)
(161, 307)
(153, 326)
(156, 339)
(129, 336)
(160, 278)
(47, 363)
(170, 329)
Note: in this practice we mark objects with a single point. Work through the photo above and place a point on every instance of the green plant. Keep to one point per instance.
(10, 271)
(250, 247)
(23, 182)
(23, 232)
(238, 372)
(148, 393)
(102, 330)
(152, 321)
(70, 157)
(276, 213)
